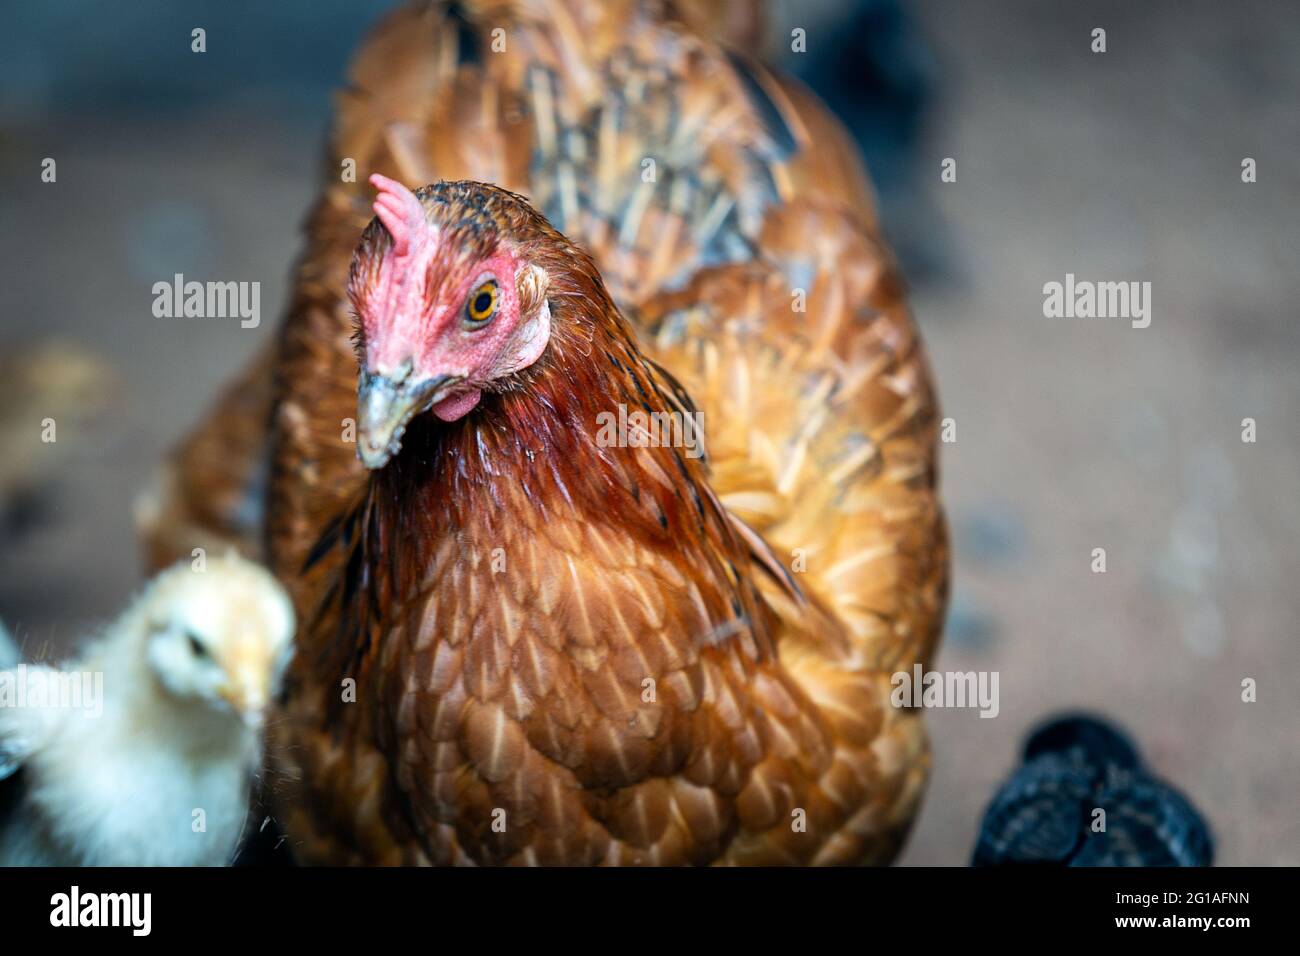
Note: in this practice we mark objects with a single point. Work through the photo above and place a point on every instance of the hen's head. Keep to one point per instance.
(448, 305)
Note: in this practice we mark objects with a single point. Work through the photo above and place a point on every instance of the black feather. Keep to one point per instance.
(1074, 766)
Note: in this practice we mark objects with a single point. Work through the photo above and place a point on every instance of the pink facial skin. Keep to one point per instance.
(400, 325)
(458, 406)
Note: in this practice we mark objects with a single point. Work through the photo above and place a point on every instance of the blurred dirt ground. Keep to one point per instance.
(1071, 434)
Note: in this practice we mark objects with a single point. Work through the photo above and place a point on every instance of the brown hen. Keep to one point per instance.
(522, 643)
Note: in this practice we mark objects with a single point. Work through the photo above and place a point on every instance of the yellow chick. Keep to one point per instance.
(141, 752)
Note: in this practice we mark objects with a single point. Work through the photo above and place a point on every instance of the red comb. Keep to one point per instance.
(399, 211)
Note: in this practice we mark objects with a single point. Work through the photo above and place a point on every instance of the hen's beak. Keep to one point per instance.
(385, 407)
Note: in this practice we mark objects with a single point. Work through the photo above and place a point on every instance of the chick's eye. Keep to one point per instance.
(196, 645)
(482, 302)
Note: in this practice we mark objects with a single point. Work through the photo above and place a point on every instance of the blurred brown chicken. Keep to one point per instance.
(52, 394)
(525, 643)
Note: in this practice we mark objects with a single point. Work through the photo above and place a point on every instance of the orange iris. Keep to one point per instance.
(482, 302)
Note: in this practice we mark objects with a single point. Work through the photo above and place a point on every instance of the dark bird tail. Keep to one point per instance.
(1096, 742)
(1083, 798)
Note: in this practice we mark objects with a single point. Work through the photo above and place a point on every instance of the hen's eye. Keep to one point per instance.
(482, 302)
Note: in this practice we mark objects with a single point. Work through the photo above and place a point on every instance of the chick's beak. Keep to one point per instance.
(386, 406)
(247, 700)
(247, 691)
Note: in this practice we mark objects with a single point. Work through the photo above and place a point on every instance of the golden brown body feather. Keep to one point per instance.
(510, 688)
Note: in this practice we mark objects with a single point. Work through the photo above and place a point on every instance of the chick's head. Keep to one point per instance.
(220, 636)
